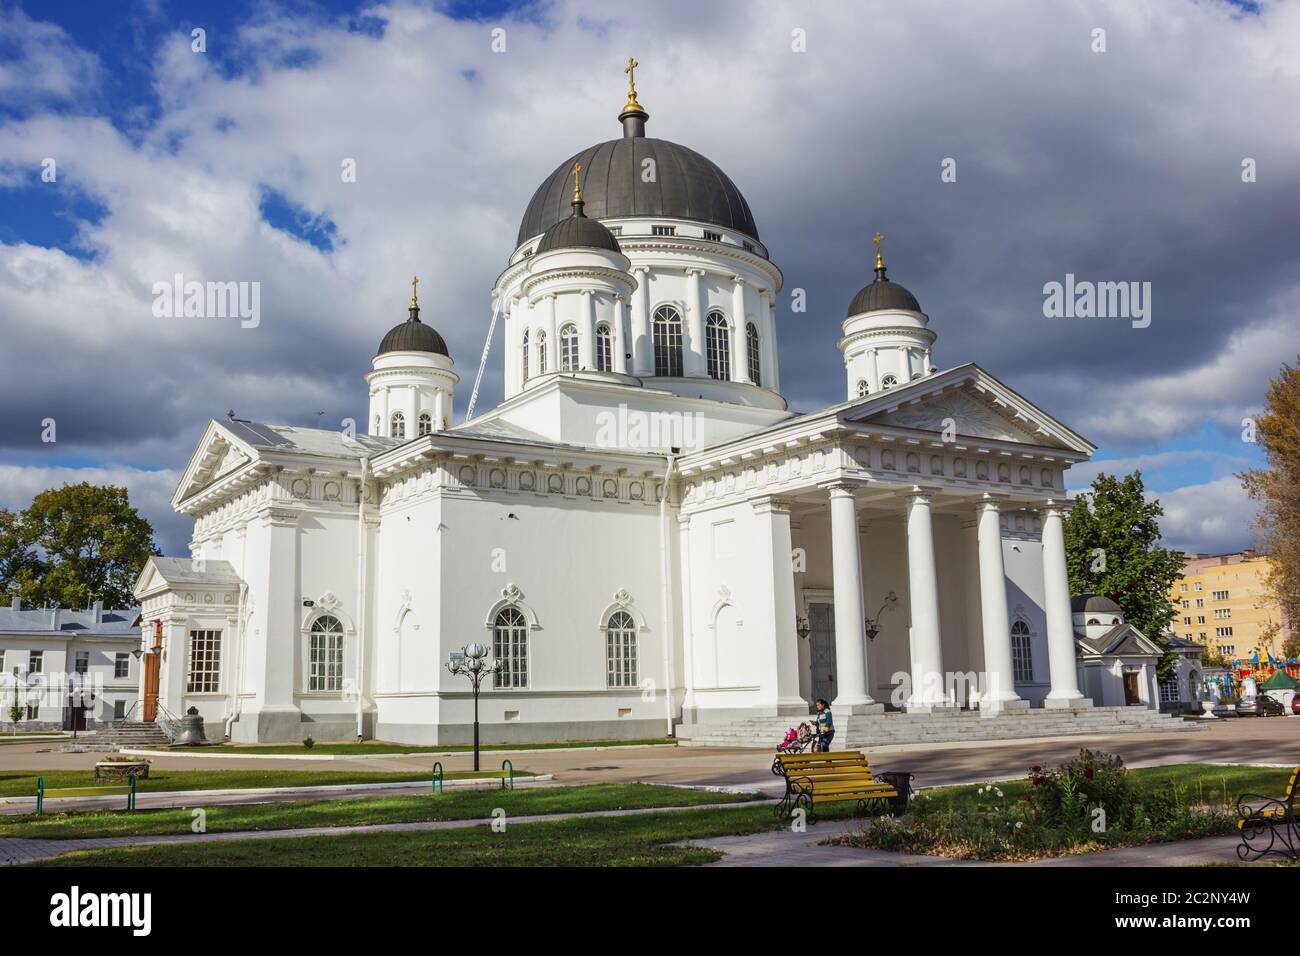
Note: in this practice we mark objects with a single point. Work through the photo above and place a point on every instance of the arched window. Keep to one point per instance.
(620, 650)
(525, 357)
(426, 424)
(569, 348)
(510, 647)
(397, 425)
(863, 388)
(541, 353)
(667, 337)
(889, 381)
(325, 654)
(1093, 620)
(717, 346)
(751, 353)
(604, 349)
(1022, 659)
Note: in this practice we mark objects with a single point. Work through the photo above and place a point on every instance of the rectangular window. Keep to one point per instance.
(620, 651)
(663, 230)
(122, 665)
(326, 661)
(1182, 588)
(615, 230)
(119, 709)
(1022, 661)
(1168, 691)
(205, 662)
(35, 662)
(1187, 620)
(1228, 650)
(748, 246)
(1223, 632)
(1200, 619)
(33, 712)
(82, 663)
(712, 236)
(1200, 602)
(1198, 585)
(1220, 595)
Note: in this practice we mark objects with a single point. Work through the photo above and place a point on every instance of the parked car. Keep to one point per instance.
(1260, 705)
(1295, 705)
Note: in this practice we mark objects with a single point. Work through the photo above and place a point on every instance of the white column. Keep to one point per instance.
(739, 369)
(776, 547)
(587, 331)
(905, 356)
(772, 364)
(850, 636)
(643, 356)
(999, 688)
(620, 344)
(873, 371)
(688, 613)
(923, 589)
(926, 363)
(694, 360)
(548, 324)
(1060, 619)
(766, 336)
(440, 410)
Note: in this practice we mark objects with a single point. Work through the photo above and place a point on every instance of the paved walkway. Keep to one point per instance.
(21, 850)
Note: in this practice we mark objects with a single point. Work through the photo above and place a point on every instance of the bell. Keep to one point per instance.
(191, 729)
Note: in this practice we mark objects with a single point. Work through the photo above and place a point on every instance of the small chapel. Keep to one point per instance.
(645, 535)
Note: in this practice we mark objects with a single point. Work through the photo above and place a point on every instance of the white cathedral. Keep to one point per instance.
(646, 537)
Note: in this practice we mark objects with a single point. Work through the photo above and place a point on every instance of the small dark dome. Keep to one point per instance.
(1088, 602)
(883, 294)
(578, 232)
(413, 336)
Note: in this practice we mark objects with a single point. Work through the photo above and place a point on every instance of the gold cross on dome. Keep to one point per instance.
(415, 281)
(577, 182)
(878, 239)
(630, 70)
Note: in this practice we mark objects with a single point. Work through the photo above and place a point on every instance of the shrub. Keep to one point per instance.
(308, 742)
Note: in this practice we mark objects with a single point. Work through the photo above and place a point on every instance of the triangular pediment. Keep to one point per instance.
(219, 453)
(967, 402)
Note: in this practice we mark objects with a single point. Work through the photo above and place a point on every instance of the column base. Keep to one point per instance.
(998, 706)
(1068, 703)
(936, 710)
(870, 707)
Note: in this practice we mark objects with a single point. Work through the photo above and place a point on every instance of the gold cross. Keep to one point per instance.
(630, 70)
(878, 239)
(577, 182)
(415, 281)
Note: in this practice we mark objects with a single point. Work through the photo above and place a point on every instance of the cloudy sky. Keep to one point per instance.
(834, 119)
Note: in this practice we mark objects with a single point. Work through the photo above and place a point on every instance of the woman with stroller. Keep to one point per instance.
(825, 726)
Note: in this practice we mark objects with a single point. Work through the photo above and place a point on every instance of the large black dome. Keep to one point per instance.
(687, 186)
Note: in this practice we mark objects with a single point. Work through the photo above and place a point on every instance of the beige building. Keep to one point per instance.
(1222, 601)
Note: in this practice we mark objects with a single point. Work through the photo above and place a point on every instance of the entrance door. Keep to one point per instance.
(1131, 695)
(821, 649)
(152, 661)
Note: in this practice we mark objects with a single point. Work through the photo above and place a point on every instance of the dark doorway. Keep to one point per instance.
(1131, 695)
(821, 649)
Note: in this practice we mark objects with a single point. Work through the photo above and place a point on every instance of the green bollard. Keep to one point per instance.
(130, 797)
(40, 794)
(435, 783)
(504, 764)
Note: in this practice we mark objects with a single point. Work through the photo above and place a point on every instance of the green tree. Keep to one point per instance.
(1112, 543)
(74, 545)
(1277, 489)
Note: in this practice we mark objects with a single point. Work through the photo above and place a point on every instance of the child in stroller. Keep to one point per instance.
(796, 742)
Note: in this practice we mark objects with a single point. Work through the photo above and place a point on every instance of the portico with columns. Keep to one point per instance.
(945, 494)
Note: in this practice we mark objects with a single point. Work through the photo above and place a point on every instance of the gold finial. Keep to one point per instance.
(878, 239)
(415, 302)
(577, 182)
(630, 70)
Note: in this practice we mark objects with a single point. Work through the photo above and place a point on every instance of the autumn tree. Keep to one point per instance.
(1276, 488)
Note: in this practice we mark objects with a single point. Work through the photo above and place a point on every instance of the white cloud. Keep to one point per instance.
(1211, 518)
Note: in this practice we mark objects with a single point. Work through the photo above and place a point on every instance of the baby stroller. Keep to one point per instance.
(797, 741)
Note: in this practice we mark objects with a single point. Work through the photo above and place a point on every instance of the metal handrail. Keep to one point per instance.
(169, 722)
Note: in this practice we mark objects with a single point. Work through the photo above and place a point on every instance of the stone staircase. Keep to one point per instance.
(128, 735)
(894, 729)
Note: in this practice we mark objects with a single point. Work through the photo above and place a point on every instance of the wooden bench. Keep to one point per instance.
(1269, 826)
(833, 777)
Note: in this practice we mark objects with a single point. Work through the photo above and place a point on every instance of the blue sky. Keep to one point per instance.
(1119, 166)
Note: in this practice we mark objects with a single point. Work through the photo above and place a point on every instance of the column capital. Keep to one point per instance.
(770, 505)
(841, 489)
(1061, 506)
(641, 269)
(694, 271)
(738, 279)
(991, 501)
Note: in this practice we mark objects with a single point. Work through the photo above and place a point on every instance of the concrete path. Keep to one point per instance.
(21, 850)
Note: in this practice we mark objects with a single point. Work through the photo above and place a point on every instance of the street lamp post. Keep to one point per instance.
(471, 661)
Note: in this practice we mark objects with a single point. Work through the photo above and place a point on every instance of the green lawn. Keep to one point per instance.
(1208, 781)
(594, 841)
(362, 811)
(22, 783)
(379, 747)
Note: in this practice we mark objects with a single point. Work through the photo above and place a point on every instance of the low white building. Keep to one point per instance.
(68, 668)
(642, 531)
